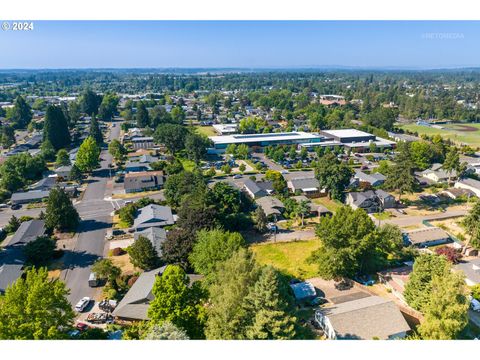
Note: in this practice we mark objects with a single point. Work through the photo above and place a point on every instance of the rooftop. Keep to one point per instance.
(346, 133)
(427, 234)
(250, 138)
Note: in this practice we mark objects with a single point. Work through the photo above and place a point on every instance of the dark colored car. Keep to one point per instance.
(15, 206)
(318, 301)
(81, 326)
(344, 285)
(365, 280)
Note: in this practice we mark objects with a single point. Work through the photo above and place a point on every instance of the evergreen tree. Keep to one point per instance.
(271, 311)
(446, 313)
(472, 225)
(95, 131)
(60, 213)
(227, 317)
(333, 175)
(142, 116)
(47, 150)
(143, 254)
(7, 136)
(21, 114)
(89, 102)
(260, 220)
(13, 224)
(39, 251)
(400, 176)
(419, 287)
(88, 155)
(177, 302)
(35, 308)
(55, 128)
(75, 173)
(452, 162)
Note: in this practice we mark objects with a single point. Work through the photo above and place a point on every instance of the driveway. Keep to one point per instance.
(407, 220)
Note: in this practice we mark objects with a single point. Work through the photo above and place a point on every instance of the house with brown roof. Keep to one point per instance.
(143, 181)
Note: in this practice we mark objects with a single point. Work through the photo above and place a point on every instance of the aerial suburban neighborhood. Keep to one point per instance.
(226, 204)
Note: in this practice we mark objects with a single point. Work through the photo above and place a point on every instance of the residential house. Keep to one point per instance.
(64, 172)
(9, 273)
(318, 210)
(136, 166)
(455, 193)
(368, 318)
(143, 181)
(306, 186)
(156, 235)
(471, 269)
(371, 201)
(153, 216)
(375, 179)
(271, 206)
(469, 184)
(28, 231)
(144, 142)
(438, 175)
(134, 305)
(29, 196)
(258, 189)
(425, 237)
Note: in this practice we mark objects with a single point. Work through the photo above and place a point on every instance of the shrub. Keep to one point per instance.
(118, 251)
(132, 280)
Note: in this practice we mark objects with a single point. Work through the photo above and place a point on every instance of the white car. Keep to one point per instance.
(82, 304)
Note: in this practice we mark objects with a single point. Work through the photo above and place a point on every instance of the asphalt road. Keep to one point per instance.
(96, 218)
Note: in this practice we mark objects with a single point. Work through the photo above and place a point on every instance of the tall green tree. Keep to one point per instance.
(108, 107)
(472, 225)
(88, 155)
(89, 102)
(95, 131)
(60, 213)
(196, 147)
(267, 300)
(333, 175)
(446, 313)
(55, 128)
(213, 247)
(7, 136)
(419, 286)
(21, 114)
(143, 254)
(178, 302)
(39, 251)
(117, 150)
(172, 136)
(35, 308)
(400, 176)
(228, 318)
(142, 116)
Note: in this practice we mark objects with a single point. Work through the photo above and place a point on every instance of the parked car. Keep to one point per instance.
(3, 206)
(318, 301)
(272, 227)
(365, 280)
(82, 304)
(237, 176)
(15, 206)
(82, 326)
(92, 280)
(344, 285)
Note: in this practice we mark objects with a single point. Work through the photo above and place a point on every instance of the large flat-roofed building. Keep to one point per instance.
(220, 143)
(348, 135)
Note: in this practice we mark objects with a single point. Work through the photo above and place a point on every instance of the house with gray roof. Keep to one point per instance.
(29, 196)
(367, 318)
(438, 175)
(471, 269)
(64, 172)
(153, 215)
(27, 232)
(143, 181)
(271, 205)
(371, 201)
(315, 209)
(9, 273)
(134, 305)
(136, 166)
(156, 236)
(258, 189)
(429, 236)
(305, 186)
(469, 184)
(375, 179)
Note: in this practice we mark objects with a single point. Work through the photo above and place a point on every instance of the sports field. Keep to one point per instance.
(465, 133)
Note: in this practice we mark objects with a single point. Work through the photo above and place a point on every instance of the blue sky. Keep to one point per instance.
(251, 44)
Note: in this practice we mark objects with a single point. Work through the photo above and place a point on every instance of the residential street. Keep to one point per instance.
(95, 213)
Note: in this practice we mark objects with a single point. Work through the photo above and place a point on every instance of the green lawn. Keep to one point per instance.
(383, 215)
(288, 257)
(454, 132)
(206, 130)
(330, 204)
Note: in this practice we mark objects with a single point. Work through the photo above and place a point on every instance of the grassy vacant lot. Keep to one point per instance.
(331, 205)
(468, 133)
(206, 130)
(288, 257)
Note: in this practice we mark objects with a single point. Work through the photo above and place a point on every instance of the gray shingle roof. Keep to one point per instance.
(259, 187)
(30, 195)
(471, 269)
(270, 205)
(154, 216)
(143, 180)
(427, 235)
(156, 236)
(366, 318)
(28, 231)
(8, 275)
(304, 183)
